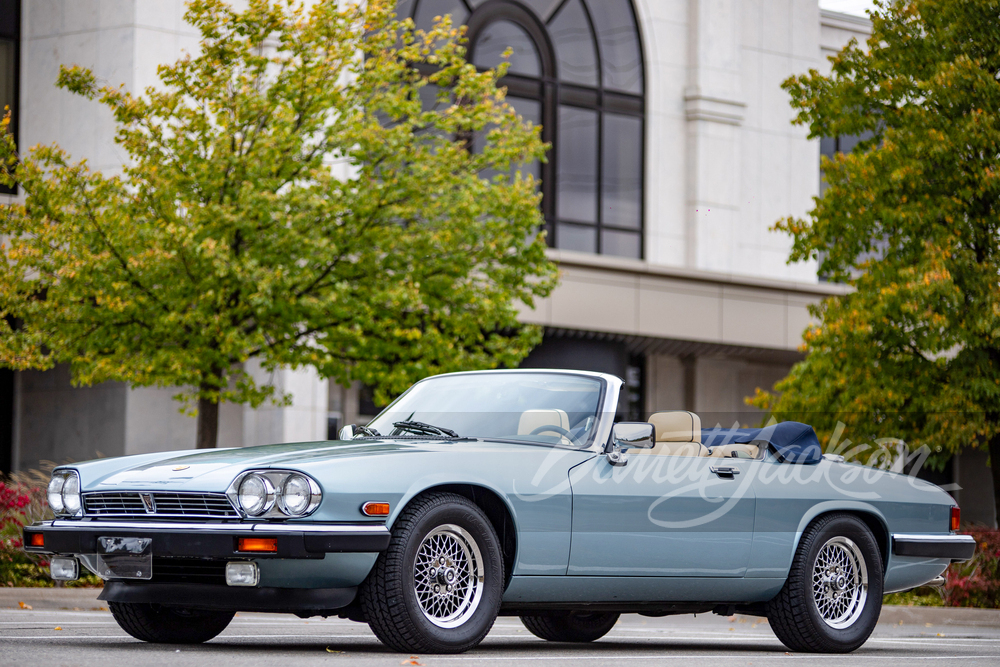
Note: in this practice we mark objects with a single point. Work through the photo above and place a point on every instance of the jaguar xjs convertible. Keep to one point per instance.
(493, 493)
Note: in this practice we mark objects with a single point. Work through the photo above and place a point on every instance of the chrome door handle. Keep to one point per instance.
(725, 471)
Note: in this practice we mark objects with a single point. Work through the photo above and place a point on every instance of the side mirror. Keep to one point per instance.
(347, 433)
(630, 435)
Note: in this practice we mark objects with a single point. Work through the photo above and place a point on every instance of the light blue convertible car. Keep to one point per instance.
(503, 492)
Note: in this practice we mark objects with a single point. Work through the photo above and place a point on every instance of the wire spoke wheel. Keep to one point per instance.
(840, 582)
(448, 575)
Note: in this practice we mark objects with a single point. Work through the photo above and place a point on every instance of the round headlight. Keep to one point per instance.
(256, 494)
(55, 493)
(296, 495)
(71, 494)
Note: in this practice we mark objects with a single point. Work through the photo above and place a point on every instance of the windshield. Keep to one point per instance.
(546, 408)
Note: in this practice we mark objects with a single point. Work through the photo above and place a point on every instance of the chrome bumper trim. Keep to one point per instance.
(954, 547)
(269, 528)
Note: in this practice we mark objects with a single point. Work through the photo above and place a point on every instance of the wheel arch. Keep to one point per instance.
(496, 509)
(869, 515)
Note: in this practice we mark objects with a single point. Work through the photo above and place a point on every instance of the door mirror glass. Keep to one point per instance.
(347, 433)
(633, 435)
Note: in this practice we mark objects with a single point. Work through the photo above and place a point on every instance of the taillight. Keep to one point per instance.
(956, 517)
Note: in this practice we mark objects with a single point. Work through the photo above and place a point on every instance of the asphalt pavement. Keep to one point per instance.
(73, 628)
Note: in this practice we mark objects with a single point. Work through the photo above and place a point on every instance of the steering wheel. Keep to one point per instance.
(558, 430)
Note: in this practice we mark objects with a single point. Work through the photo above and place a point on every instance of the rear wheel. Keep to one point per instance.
(169, 625)
(570, 626)
(437, 587)
(832, 598)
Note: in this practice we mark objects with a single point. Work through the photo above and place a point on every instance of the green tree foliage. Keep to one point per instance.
(911, 219)
(300, 191)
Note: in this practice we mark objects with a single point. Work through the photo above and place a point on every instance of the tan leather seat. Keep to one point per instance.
(533, 419)
(678, 433)
(741, 451)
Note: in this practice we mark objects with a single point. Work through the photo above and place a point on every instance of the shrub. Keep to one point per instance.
(975, 583)
(22, 502)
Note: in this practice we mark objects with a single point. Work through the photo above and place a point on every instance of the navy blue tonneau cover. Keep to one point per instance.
(793, 442)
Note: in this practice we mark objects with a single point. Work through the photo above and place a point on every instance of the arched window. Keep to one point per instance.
(577, 70)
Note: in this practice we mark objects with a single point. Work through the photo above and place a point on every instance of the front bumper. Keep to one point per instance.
(210, 540)
(302, 601)
(955, 547)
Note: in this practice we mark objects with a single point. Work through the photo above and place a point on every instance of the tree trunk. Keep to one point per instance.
(995, 467)
(208, 424)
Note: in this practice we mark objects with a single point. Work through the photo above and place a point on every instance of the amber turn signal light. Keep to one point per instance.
(956, 517)
(36, 540)
(258, 544)
(375, 509)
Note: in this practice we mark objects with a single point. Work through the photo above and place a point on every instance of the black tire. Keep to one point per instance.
(570, 626)
(794, 613)
(168, 625)
(389, 596)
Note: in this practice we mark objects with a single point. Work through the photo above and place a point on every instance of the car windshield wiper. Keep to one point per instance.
(367, 432)
(420, 428)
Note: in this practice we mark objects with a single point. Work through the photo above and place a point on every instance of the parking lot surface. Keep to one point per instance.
(87, 635)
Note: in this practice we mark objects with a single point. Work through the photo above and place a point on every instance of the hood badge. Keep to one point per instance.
(179, 468)
(147, 500)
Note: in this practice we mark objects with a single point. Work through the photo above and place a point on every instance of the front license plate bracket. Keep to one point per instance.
(125, 558)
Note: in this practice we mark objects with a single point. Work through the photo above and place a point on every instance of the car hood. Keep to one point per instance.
(214, 470)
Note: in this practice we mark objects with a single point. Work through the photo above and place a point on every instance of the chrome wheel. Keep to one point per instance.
(840, 582)
(448, 576)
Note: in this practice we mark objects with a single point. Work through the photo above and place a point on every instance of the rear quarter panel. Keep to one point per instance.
(790, 497)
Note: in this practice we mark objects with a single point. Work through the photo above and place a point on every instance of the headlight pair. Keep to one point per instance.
(275, 493)
(64, 493)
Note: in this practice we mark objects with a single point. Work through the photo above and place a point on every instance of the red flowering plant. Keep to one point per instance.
(22, 502)
(976, 583)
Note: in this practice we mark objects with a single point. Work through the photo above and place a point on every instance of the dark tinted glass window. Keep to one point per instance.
(621, 182)
(500, 36)
(577, 157)
(621, 56)
(576, 69)
(576, 53)
(428, 9)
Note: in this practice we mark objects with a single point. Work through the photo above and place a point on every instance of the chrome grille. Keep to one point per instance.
(167, 505)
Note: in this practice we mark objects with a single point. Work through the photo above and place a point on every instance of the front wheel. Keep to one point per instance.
(437, 587)
(169, 625)
(570, 626)
(832, 598)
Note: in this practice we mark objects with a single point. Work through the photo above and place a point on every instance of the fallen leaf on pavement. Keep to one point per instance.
(24, 606)
(330, 650)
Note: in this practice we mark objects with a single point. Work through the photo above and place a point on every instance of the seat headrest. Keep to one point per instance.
(533, 419)
(676, 426)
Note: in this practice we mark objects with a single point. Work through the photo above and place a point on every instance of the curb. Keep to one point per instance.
(965, 616)
(37, 599)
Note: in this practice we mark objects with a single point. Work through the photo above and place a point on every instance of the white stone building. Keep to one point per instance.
(673, 154)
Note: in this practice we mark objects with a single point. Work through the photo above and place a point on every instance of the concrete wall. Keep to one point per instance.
(640, 298)
(122, 41)
(723, 162)
(58, 422)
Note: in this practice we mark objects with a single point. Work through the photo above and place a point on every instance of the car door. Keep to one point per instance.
(662, 515)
